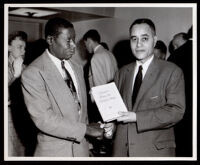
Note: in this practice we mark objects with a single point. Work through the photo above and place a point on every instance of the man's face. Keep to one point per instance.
(63, 45)
(88, 45)
(142, 41)
(17, 47)
(177, 42)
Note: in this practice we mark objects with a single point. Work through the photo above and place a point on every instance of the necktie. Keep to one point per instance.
(70, 83)
(137, 84)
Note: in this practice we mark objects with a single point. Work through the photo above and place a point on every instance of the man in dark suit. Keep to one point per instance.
(182, 57)
(153, 91)
(55, 96)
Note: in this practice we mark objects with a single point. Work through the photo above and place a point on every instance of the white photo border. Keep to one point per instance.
(158, 5)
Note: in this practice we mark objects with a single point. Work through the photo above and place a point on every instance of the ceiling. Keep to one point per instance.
(71, 14)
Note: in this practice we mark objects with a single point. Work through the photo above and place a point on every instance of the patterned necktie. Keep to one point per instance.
(70, 83)
(137, 84)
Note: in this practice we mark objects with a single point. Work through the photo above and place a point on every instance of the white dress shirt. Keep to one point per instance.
(57, 62)
(96, 48)
(145, 66)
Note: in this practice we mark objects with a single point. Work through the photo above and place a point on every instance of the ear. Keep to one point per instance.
(49, 40)
(155, 40)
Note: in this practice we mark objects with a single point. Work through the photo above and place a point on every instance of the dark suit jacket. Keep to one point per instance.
(183, 58)
(160, 104)
(53, 110)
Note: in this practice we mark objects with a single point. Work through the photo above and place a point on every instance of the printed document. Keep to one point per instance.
(108, 101)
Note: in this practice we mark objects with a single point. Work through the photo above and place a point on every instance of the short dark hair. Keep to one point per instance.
(92, 34)
(161, 46)
(144, 20)
(20, 34)
(54, 24)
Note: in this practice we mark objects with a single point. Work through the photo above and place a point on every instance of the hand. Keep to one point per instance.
(94, 130)
(127, 117)
(109, 129)
(17, 66)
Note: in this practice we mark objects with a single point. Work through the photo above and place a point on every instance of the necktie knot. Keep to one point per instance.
(140, 68)
(63, 64)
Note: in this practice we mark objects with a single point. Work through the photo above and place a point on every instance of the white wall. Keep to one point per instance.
(168, 21)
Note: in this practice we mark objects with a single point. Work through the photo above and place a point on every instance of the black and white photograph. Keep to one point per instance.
(100, 82)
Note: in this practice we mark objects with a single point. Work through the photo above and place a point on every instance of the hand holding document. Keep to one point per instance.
(109, 101)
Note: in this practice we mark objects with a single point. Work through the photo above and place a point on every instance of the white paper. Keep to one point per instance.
(108, 100)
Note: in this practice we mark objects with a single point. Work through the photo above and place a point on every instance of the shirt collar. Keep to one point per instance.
(95, 49)
(145, 65)
(138, 63)
(53, 58)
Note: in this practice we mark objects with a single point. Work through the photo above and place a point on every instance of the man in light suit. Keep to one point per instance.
(103, 64)
(59, 113)
(147, 129)
(102, 69)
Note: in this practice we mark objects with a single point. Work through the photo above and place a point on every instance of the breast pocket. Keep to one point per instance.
(153, 102)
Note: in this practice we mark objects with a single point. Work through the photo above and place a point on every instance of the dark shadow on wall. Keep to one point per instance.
(34, 50)
(82, 56)
(122, 52)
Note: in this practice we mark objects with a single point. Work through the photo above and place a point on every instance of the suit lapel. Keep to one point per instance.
(129, 85)
(147, 82)
(56, 84)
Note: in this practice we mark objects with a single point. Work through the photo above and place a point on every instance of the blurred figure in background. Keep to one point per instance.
(102, 66)
(170, 48)
(179, 39)
(16, 53)
(182, 56)
(34, 49)
(123, 54)
(101, 70)
(160, 50)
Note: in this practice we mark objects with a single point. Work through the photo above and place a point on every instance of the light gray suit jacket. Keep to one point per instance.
(160, 104)
(53, 110)
(103, 67)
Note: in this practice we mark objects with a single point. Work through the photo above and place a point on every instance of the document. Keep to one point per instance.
(108, 101)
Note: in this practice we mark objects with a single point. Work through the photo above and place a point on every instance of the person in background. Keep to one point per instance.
(170, 48)
(103, 64)
(102, 69)
(160, 50)
(179, 39)
(34, 49)
(16, 53)
(182, 56)
(55, 96)
(153, 92)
